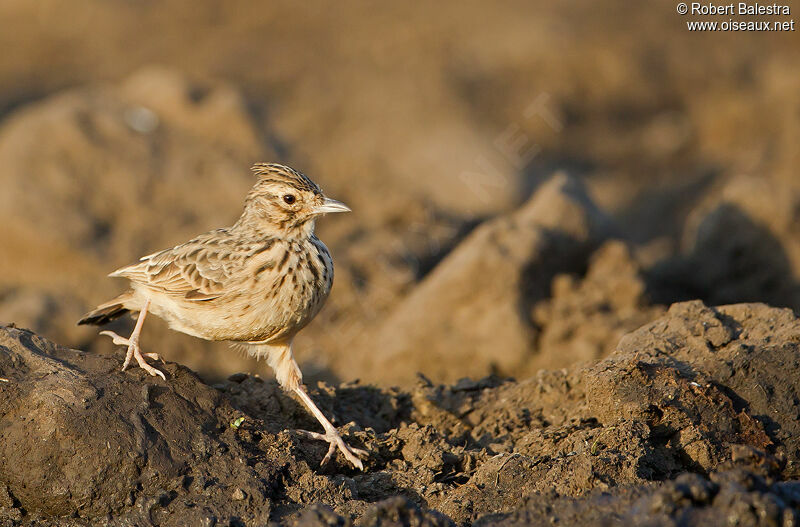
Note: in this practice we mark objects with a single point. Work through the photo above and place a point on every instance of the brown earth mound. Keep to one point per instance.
(710, 392)
(96, 176)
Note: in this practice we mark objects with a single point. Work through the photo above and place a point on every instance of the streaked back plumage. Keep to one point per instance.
(269, 266)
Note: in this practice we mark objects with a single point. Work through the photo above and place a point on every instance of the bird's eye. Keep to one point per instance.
(289, 199)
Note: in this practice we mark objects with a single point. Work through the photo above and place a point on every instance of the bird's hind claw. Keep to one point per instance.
(119, 340)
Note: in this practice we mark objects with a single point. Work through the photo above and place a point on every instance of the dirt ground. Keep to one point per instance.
(703, 400)
(567, 291)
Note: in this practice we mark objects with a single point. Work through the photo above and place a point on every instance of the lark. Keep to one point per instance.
(257, 283)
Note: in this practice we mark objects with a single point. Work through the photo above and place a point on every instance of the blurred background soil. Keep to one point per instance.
(530, 181)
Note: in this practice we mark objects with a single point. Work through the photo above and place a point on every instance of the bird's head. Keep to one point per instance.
(286, 202)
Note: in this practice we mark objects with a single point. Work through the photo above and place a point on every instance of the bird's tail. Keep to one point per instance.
(105, 313)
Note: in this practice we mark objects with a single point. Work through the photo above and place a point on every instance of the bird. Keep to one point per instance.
(256, 283)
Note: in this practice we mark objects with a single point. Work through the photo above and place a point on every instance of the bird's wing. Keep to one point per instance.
(199, 270)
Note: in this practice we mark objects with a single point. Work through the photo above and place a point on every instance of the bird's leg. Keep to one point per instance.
(331, 435)
(134, 351)
(291, 379)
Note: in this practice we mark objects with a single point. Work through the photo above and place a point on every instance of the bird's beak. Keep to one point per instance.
(331, 205)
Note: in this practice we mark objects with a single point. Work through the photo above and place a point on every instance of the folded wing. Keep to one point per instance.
(200, 270)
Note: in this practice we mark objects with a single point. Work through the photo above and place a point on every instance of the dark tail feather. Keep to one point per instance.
(105, 313)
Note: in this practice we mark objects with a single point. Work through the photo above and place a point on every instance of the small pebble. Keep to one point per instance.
(141, 119)
(238, 377)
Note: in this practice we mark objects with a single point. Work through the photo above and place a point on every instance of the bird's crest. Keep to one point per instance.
(284, 174)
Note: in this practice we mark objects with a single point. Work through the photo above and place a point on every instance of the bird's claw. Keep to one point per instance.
(134, 352)
(149, 369)
(335, 441)
(119, 340)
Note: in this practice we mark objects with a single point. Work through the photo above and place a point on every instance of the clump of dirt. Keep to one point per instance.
(737, 497)
(460, 313)
(109, 443)
(741, 244)
(705, 392)
(584, 317)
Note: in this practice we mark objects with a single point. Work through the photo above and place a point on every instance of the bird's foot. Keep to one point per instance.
(134, 352)
(335, 441)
